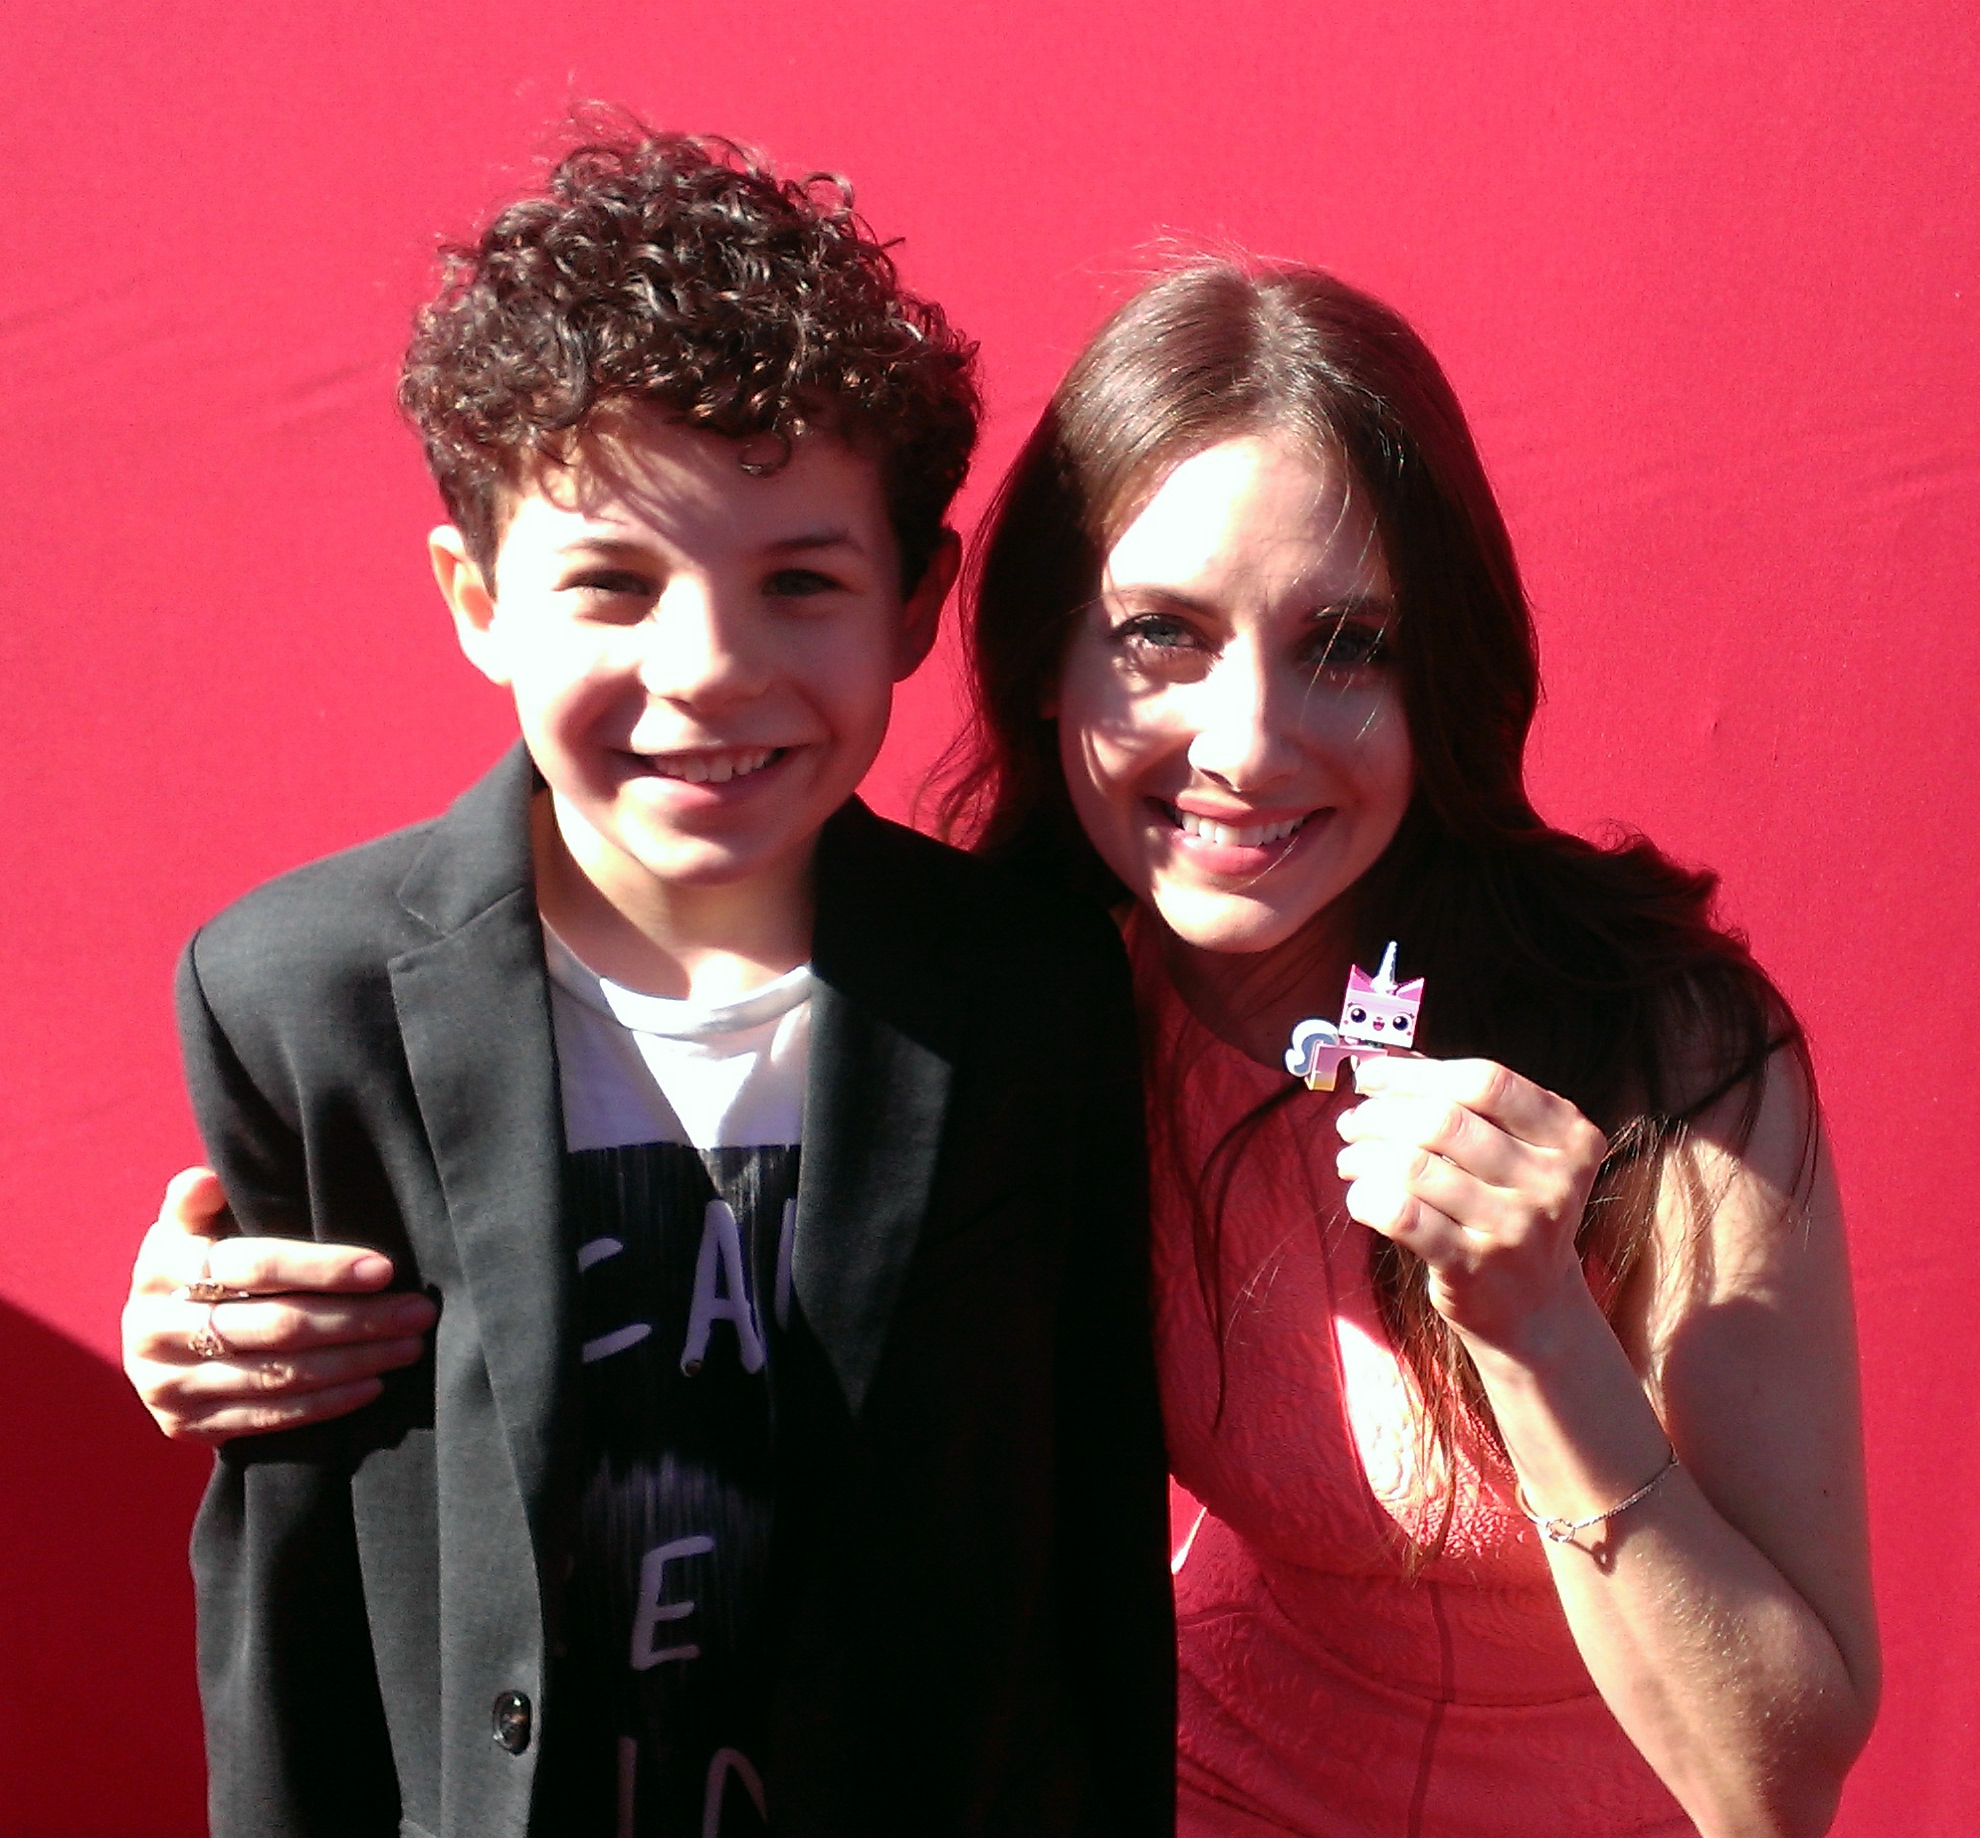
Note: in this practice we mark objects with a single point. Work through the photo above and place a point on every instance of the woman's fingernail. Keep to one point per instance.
(371, 1268)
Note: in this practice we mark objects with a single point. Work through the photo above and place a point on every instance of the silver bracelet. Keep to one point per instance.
(1562, 1531)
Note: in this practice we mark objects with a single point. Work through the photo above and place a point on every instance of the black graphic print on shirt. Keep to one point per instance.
(683, 1291)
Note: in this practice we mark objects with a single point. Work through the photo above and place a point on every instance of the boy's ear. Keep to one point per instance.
(469, 600)
(921, 613)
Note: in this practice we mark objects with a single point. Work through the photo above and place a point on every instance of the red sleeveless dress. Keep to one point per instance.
(1324, 1692)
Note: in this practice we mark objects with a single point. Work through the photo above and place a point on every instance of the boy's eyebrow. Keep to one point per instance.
(837, 536)
(805, 542)
(596, 542)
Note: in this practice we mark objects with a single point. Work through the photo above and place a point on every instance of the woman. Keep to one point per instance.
(1249, 624)
(1253, 660)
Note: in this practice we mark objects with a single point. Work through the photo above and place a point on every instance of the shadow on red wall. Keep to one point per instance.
(96, 1627)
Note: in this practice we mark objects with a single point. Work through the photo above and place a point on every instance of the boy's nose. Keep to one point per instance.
(1238, 736)
(698, 650)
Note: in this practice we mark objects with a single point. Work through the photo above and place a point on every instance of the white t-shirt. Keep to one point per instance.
(638, 1068)
(682, 1123)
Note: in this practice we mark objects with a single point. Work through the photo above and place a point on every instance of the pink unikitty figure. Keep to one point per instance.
(1377, 1018)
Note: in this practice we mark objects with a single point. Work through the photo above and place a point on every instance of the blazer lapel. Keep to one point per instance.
(474, 1013)
(883, 1025)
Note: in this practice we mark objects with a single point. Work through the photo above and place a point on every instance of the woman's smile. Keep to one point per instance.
(1232, 844)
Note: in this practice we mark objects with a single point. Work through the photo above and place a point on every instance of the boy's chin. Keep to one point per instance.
(629, 858)
(692, 864)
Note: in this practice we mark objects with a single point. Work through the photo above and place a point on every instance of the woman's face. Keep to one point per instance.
(1230, 727)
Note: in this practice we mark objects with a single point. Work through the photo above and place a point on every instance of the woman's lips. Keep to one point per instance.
(1234, 850)
(1236, 836)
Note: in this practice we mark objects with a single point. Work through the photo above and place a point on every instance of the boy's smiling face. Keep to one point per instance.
(702, 657)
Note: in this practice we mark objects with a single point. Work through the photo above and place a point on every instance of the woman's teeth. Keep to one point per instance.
(1225, 836)
(712, 768)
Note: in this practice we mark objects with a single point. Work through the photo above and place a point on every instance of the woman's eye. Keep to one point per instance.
(800, 584)
(1158, 641)
(1342, 646)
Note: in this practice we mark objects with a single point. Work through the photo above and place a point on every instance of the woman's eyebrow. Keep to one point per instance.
(1356, 606)
(1167, 596)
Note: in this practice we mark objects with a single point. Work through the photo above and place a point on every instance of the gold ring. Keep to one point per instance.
(206, 1288)
(209, 1290)
(205, 1340)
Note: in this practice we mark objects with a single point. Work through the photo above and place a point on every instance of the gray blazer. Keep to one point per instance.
(979, 1636)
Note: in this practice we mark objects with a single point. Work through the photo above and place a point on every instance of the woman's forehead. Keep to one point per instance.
(1253, 508)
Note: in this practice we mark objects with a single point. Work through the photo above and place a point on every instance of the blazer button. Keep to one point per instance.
(512, 1721)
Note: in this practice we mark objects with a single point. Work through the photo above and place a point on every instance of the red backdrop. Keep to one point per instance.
(1705, 277)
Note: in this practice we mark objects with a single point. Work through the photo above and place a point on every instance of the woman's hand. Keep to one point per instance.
(1484, 1175)
(301, 1337)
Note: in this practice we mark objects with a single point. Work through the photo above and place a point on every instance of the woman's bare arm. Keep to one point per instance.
(1727, 1616)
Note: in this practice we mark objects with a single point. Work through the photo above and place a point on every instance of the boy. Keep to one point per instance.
(787, 1454)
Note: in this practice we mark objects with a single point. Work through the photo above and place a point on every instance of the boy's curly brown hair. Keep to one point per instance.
(680, 271)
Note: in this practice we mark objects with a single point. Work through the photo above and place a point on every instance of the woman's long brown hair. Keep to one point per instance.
(1598, 971)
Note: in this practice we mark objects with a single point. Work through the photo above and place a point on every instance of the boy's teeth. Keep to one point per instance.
(1226, 837)
(712, 768)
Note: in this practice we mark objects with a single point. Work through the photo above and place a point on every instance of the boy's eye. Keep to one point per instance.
(610, 583)
(800, 584)
(1341, 646)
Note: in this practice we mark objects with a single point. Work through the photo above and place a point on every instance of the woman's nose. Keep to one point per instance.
(1240, 738)
(698, 648)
